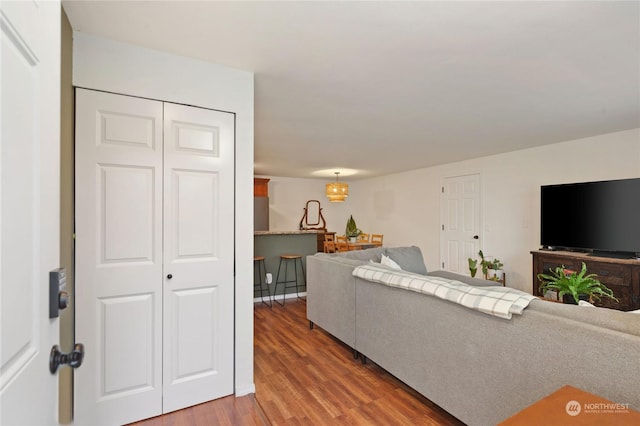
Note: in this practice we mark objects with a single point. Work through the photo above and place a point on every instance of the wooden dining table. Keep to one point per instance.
(361, 245)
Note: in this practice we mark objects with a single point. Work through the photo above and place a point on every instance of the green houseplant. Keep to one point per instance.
(574, 284)
(352, 230)
(495, 270)
(485, 264)
(473, 266)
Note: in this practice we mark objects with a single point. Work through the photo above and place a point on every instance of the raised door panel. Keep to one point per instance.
(118, 257)
(188, 307)
(126, 209)
(195, 215)
(126, 371)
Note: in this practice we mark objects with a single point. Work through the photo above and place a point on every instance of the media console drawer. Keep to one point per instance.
(620, 275)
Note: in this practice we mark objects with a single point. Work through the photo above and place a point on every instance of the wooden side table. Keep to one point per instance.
(571, 406)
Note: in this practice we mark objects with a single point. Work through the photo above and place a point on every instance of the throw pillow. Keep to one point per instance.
(409, 258)
(387, 261)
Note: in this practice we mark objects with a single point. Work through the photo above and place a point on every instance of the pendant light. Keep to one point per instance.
(337, 191)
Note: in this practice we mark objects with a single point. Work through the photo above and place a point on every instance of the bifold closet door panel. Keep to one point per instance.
(118, 257)
(198, 255)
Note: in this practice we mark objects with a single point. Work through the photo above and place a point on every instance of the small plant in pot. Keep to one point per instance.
(495, 271)
(573, 286)
(352, 230)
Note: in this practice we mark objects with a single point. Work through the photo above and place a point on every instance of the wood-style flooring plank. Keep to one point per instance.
(307, 377)
(227, 411)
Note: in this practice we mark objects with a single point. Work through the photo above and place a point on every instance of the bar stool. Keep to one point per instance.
(259, 284)
(288, 258)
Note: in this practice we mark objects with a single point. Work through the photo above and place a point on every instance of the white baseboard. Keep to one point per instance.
(279, 297)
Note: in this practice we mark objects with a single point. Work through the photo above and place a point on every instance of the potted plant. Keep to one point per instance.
(352, 230)
(484, 264)
(495, 271)
(473, 266)
(573, 286)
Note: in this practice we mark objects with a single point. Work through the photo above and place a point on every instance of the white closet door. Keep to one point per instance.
(118, 258)
(198, 255)
(158, 337)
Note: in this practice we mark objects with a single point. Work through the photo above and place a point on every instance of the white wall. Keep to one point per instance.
(288, 197)
(104, 64)
(405, 207)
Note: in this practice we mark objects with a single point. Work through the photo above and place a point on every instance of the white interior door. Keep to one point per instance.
(118, 258)
(198, 255)
(460, 222)
(29, 211)
(154, 244)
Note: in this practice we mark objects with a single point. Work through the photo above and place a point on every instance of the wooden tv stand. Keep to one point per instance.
(620, 275)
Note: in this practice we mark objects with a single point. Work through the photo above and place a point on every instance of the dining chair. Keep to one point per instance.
(329, 243)
(363, 238)
(330, 246)
(377, 239)
(342, 243)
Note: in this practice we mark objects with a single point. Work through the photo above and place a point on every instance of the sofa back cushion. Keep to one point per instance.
(373, 254)
(409, 258)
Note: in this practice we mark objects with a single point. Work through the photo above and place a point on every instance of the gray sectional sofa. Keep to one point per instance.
(480, 368)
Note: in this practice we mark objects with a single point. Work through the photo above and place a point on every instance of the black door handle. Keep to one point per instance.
(475, 237)
(169, 276)
(73, 359)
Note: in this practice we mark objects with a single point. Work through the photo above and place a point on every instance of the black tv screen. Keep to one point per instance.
(599, 216)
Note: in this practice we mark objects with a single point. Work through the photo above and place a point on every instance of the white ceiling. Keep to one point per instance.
(372, 88)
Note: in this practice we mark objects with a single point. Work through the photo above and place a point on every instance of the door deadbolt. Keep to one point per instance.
(73, 359)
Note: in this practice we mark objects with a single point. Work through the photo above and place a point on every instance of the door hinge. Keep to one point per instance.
(443, 189)
(443, 227)
(442, 265)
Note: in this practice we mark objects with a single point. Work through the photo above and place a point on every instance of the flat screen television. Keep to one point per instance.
(601, 217)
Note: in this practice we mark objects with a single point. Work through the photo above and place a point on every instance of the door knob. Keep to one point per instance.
(73, 359)
(475, 237)
(169, 276)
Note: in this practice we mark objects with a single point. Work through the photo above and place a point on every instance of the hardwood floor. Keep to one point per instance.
(305, 376)
(228, 411)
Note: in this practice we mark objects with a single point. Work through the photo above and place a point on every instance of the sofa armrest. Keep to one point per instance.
(331, 295)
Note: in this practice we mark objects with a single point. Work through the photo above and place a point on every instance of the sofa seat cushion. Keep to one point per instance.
(498, 301)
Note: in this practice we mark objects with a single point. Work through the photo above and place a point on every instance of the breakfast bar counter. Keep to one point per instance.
(272, 244)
